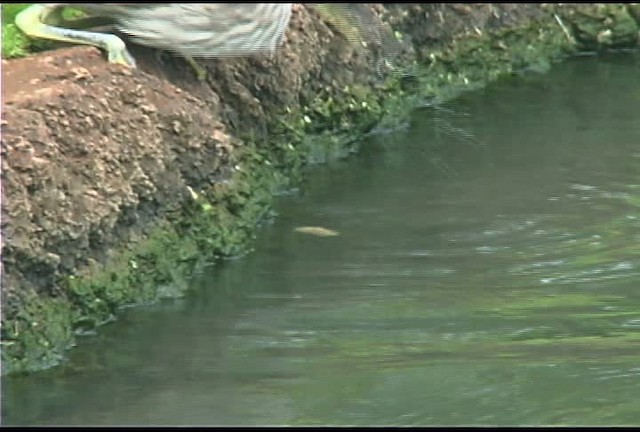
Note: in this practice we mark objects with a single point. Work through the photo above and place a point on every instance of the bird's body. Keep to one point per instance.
(189, 29)
(198, 29)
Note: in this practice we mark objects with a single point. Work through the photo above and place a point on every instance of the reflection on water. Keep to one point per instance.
(477, 279)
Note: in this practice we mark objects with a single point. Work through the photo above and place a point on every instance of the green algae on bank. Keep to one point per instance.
(221, 221)
(154, 268)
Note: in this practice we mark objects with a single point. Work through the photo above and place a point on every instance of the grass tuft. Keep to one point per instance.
(15, 43)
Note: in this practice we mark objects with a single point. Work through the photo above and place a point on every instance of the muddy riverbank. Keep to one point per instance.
(116, 184)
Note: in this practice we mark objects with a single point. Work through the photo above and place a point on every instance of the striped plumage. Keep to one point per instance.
(189, 29)
(199, 29)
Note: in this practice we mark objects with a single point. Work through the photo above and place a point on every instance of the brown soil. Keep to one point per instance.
(92, 153)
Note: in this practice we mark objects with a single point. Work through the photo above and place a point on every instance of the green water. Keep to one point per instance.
(486, 271)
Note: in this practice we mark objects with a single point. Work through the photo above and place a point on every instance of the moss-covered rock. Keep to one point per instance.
(604, 26)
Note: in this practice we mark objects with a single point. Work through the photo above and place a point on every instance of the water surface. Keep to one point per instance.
(486, 271)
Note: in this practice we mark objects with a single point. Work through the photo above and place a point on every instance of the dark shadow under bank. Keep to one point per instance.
(92, 222)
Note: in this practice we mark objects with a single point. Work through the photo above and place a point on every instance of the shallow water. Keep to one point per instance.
(486, 271)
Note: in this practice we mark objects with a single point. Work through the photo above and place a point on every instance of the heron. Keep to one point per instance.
(188, 29)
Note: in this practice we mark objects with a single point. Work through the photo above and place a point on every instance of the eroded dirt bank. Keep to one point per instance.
(116, 183)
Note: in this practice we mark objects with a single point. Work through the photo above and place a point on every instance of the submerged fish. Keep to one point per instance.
(317, 231)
